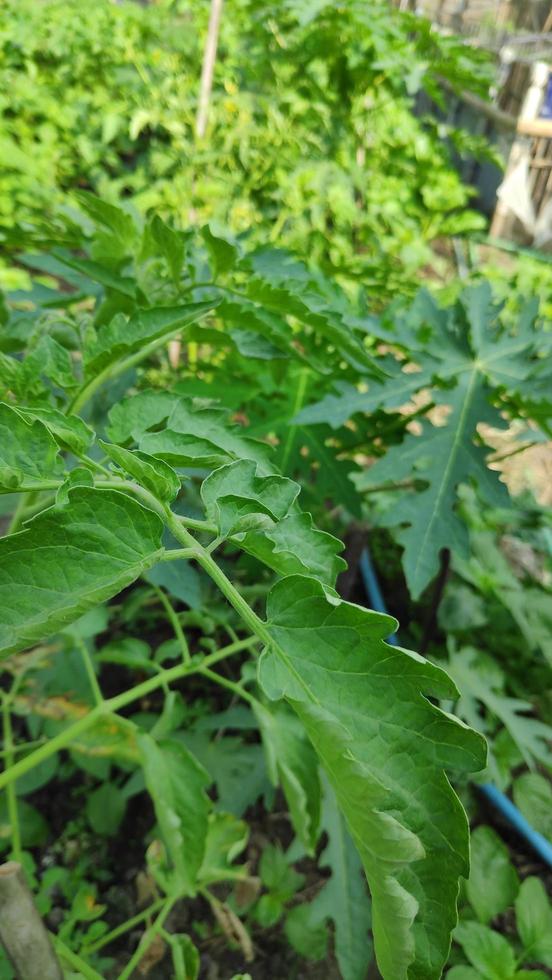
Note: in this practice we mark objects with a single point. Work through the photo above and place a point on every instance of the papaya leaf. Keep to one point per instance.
(473, 366)
(68, 559)
(384, 747)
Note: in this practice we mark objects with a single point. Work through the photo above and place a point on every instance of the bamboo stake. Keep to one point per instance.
(208, 67)
(22, 931)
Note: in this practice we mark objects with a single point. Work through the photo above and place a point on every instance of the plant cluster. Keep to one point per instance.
(170, 625)
(313, 140)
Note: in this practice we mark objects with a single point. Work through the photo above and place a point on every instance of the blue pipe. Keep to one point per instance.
(503, 804)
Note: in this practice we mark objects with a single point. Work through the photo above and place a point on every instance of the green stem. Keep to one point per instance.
(148, 938)
(91, 673)
(175, 623)
(111, 706)
(72, 959)
(125, 927)
(230, 685)
(11, 795)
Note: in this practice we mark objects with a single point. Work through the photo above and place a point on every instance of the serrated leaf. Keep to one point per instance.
(307, 935)
(69, 431)
(236, 498)
(67, 559)
(344, 898)
(177, 784)
(365, 708)
(123, 336)
(182, 432)
(292, 763)
(493, 883)
(152, 473)
(534, 921)
(295, 546)
(28, 452)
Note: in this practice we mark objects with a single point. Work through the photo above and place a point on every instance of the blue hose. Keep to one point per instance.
(503, 804)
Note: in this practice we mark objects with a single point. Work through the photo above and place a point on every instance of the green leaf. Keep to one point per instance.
(105, 809)
(468, 361)
(69, 431)
(236, 498)
(179, 579)
(167, 242)
(344, 898)
(123, 336)
(534, 922)
(533, 796)
(222, 253)
(295, 546)
(28, 451)
(226, 838)
(475, 684)
(70, 558)
(236, 768)
(463, 973)
(33, 827)
(487, 951)
(307, 935)
(277, 875)
(185, 957)
(182, 432)
(177, 785)
(109, 216)
(365, 708)
(292, 763)
(493, 883)
(154, 474)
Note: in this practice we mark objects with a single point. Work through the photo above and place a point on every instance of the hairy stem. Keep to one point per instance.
(175, 623)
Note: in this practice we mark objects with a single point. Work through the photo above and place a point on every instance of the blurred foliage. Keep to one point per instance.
(312, 141)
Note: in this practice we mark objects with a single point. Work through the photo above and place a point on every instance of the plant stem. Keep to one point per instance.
(230, 685)
(11, 794)
(112, 705)
(175, 623)
(148, 938)
(91, 673)
(74, 960)
(125, 927)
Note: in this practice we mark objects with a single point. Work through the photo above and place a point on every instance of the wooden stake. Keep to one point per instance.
(209, 57)
(22, 931)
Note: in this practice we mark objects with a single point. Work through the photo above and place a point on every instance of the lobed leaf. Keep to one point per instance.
(384, 747)
(152, 473)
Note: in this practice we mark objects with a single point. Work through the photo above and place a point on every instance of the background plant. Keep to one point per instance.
(313, 141)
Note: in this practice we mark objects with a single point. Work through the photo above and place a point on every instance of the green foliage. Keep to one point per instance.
(312, 138)
(477, 369)
(180, 481)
